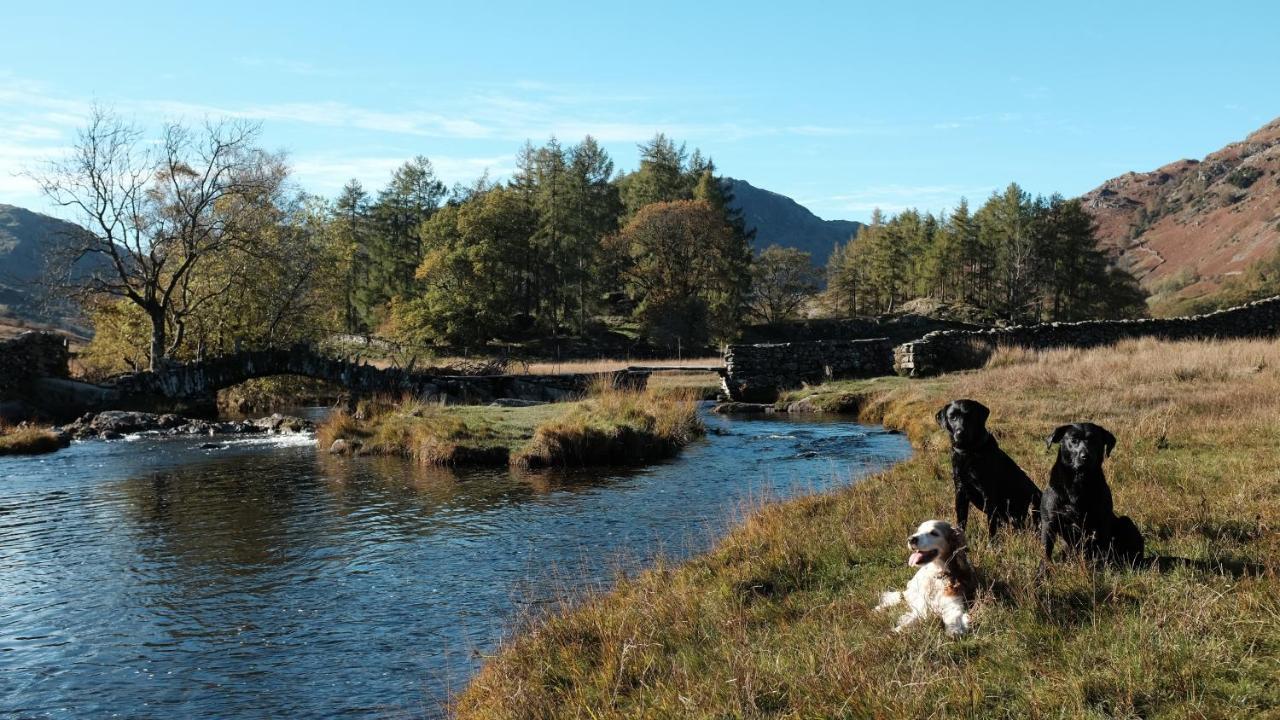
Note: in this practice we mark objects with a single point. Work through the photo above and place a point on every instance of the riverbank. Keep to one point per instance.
(611, 427)
(29, 440)
(776, 620)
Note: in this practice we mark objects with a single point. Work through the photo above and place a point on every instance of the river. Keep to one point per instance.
(154, 578)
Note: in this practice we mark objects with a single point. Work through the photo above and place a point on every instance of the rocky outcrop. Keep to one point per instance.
(757, 373)
(115, 424)
(948, 351)
(1184, 227)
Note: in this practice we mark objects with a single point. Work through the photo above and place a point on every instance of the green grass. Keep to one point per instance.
(28, 441)
(776, 621)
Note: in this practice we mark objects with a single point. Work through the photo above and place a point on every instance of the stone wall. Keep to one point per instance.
(29, 356)
(756, 373)
(898, 329)
(952, 350)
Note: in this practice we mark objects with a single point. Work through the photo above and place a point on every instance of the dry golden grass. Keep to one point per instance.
(615, 427)
(776, 621)
(28, 440)
(612, 426)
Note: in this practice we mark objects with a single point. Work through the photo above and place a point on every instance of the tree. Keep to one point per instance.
(661, 177)
(471, 282)
(351, 226)
(677, 258)
(160, 212)
(782, 281)
(844, 279)
(394, 250)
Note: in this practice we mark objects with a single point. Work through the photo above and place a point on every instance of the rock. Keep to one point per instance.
(339, 447)
(741, 408)
(110, 435)
(515, 403)
(124, 421)
(211, 446)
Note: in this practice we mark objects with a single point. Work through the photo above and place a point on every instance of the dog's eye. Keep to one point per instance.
(933, 533)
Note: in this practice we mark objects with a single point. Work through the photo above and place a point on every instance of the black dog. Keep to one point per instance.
(1077, 505)
(983, 474)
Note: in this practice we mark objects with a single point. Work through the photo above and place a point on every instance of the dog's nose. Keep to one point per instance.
(913, 540)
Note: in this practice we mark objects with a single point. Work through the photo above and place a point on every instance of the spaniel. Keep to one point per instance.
(944, 584)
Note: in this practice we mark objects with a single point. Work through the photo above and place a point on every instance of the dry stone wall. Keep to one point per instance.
(951, 350)
(757, 373)
(29, 356)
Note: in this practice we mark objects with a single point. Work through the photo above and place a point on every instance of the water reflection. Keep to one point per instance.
(159, 579)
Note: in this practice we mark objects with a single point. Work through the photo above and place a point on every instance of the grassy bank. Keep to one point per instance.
(28, 441)
(776, 621)
(611, 427)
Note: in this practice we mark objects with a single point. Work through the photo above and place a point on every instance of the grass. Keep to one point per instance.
(615, 427)
(610, 427)
(776, 620)
(28, 440)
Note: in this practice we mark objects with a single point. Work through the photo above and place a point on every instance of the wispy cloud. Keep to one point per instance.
(896, 198)
(326, 173)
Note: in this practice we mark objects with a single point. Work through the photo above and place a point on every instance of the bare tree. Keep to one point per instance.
(783, 280)
(155, 211)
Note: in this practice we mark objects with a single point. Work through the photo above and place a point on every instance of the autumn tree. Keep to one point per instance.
(160, 212)
(782, 281)
(677, 258)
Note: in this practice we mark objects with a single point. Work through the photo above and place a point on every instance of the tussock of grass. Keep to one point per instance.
(611, 427)
(776, 621)
(615, 427)
(28, 441)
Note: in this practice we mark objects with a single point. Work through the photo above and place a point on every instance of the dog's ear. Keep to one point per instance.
(941, 418)
(1108, 440)
(956, 539)
(1056, 437)
(981, 411)
(958, 546)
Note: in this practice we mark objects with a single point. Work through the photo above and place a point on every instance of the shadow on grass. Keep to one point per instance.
(1234, 567)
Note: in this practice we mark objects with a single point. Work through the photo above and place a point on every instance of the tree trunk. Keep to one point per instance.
(158, 348)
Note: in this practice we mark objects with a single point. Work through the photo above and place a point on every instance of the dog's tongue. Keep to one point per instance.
(915, 558)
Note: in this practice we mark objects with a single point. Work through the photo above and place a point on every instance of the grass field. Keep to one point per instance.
(776, 621)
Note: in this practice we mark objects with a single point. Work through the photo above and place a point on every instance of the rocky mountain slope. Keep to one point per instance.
(1185, 227)
(779, 220)
(27, 240)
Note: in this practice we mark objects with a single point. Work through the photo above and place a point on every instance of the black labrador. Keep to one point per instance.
(1077, 505)
(983, 474)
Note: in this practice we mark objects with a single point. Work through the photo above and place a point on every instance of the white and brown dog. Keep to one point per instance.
(944, 584)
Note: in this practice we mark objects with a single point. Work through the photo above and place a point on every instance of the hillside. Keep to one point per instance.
(1185, 227)
(779, 220)
(27, 240)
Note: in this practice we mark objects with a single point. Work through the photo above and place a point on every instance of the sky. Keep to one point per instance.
(844, 106)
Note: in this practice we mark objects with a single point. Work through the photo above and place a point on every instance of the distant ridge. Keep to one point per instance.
(1195, 222)
(27, 242)
(779, 220)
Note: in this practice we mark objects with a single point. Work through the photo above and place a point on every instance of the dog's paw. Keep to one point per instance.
(888, 600)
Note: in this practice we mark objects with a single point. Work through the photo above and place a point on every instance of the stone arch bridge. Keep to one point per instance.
(184, 387)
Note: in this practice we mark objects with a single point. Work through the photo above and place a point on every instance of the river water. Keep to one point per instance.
(153, 578)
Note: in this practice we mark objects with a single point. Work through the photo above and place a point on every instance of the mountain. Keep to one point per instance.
(1183, 228)
(27, 242)
(779, 220)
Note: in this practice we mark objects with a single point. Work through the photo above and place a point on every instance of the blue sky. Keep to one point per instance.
(843, 106)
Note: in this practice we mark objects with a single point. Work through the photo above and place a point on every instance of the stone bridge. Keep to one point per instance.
(193, 386)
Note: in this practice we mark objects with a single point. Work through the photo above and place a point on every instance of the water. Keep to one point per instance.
(155, 579)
